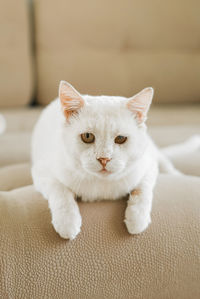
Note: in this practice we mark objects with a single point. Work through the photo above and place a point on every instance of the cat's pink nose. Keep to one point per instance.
(103, 161)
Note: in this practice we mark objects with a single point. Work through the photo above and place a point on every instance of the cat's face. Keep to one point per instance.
(103, 135)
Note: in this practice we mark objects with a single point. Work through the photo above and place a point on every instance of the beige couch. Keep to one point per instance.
(114, 48)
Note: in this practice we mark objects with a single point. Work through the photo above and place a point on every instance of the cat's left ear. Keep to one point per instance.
(139, 104)
(70, 98)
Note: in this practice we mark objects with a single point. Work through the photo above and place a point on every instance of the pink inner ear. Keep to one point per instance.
(140, 103)
(138, 109)
(71, 106)
(71, 100)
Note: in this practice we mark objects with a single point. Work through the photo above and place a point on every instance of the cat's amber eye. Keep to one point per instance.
(88, 137)
(120, 139)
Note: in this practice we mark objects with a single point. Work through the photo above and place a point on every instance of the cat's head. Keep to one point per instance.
(104, 135)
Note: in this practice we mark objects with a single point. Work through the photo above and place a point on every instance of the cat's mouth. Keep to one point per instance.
(105, 171)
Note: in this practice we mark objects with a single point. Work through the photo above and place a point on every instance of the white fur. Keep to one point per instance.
(187, 147)
(2, 124)
(64, 167)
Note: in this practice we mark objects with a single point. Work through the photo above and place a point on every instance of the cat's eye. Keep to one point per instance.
(120, 139)
(88, 137)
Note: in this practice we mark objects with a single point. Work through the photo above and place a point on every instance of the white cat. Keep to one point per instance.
(95, 147)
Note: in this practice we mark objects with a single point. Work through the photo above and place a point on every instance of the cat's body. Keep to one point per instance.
(46, 147)
(95, 148)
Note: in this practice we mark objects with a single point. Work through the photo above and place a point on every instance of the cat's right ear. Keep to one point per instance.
(70, 98)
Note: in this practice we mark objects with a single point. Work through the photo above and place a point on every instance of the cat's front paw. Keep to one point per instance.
(67, 223)
(136, 219)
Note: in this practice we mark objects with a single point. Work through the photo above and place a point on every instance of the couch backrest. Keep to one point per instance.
(15, 55)
(119, 47)
(101, 47)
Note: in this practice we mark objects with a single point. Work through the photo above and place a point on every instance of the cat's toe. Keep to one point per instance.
(136, 221)
(67, 232)
(68, 226)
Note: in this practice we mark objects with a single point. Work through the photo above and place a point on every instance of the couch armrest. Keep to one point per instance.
(104, 261)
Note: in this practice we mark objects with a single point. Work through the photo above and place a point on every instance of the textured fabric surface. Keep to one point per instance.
(15, 55)
(109, 47)
(104, 261)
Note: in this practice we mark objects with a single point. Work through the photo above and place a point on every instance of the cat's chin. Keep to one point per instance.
(104, 173)
(107, 175)
(101, 174)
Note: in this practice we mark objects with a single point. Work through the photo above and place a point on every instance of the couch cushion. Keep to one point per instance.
(15, 54)
(104, 261)
(118, 48)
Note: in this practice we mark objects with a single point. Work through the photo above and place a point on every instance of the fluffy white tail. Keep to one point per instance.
(188, 146)
(170, 152)
(2, 124)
